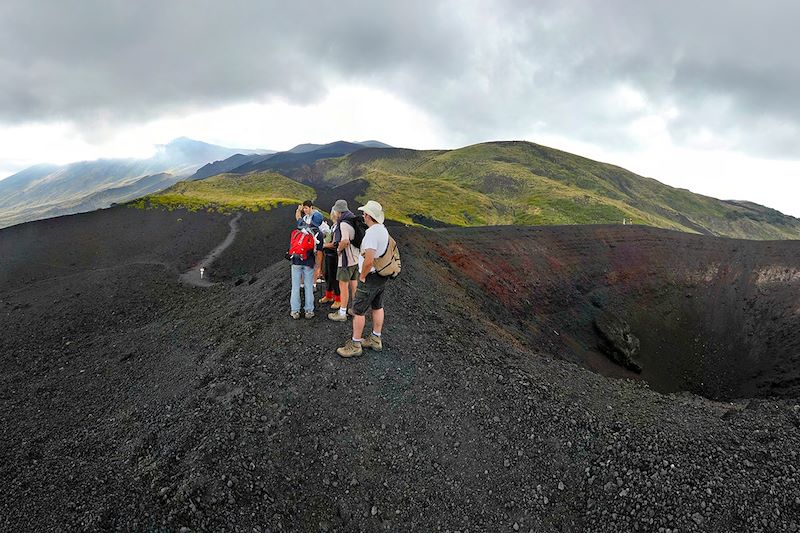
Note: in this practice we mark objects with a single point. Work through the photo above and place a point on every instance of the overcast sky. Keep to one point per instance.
(701, 95)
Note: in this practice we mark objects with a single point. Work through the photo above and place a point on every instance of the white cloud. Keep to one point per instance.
(628, 98)
(349, 112)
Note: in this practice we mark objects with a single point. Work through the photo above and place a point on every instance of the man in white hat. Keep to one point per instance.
(370, 285)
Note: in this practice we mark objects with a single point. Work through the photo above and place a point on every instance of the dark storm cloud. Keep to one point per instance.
(721, 72)
(88, 59)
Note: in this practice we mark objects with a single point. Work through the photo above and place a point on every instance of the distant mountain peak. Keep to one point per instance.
(310, 147)
(182, 140)
(182, 145)
(41, 189)
(374, 144)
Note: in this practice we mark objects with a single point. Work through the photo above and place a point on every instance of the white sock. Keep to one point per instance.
(357, 340)
(376, 334)
(342, 310)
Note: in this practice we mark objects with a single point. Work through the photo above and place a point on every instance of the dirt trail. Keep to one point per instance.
(193, 276)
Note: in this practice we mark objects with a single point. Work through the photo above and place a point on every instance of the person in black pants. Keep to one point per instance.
(330, 265)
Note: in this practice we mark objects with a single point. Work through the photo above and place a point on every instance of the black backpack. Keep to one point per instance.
(360, 228)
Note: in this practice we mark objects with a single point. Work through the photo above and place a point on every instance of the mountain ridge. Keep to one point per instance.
(287, 160)
(44, 188)
(490, 183)
(517, 183)
(291, 161)
(523, 183)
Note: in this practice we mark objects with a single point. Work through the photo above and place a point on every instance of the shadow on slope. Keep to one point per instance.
(68, 245)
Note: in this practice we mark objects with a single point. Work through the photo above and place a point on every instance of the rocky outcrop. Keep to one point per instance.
(616, 340)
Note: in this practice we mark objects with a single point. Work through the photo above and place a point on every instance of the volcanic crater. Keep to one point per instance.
(718, 317)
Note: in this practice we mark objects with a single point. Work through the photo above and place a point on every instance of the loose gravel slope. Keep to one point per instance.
(131, 402)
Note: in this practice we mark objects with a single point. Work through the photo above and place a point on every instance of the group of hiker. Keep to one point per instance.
(354, 256)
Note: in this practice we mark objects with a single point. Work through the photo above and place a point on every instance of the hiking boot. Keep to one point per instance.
(350, 349)
(325, 300)
(309, 314)
(336, 305)
(337, 317)
(295, 315)
(373, 343)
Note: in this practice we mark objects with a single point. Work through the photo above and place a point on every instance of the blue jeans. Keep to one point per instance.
(307, 274)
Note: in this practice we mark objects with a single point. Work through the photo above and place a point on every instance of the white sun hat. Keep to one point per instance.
(373, 209)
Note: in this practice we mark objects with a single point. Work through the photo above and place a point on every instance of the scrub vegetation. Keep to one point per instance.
(528, 184)
(229, 192)
(496, 183)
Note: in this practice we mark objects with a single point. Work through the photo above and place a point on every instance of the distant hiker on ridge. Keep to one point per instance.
(347, 271)
(370, 284)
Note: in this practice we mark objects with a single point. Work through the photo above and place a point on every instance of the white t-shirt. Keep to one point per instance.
(375, 238)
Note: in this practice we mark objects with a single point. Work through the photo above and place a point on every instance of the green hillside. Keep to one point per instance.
(525, 183)
(225, 192)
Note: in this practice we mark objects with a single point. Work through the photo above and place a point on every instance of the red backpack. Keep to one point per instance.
(301, 243)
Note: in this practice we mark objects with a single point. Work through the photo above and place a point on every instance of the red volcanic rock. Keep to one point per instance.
(717, 316)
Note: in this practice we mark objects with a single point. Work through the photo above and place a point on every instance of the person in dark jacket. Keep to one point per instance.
(330, 266)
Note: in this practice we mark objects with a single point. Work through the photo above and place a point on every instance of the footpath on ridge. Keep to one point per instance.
(194, 276)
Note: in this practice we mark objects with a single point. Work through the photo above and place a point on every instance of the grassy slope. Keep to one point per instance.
(524, 183)
(260, 190)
